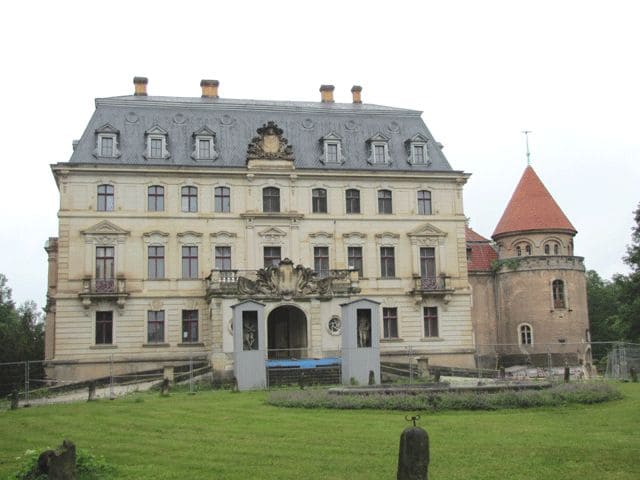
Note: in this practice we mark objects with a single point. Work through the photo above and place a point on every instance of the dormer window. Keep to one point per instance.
(204, 145)
(106, 142)
(156, 143)
(379, 149)
(417, 150)
(331, 149)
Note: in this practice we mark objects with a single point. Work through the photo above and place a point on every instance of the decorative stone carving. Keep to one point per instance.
(270, 144)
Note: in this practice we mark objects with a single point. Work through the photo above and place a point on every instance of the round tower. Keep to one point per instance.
(540, 283)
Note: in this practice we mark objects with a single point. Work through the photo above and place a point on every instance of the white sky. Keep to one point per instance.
(482, 71)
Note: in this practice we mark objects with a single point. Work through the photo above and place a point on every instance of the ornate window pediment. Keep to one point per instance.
(156, 139)
(105, 233)
(189, 237)
(417, 150)
(155, 237)
(387, 238)
(379, 149)
(222, 235)
(332, 149)
(273, 235)
(426, 235)
(204, 143)
(107, 142)
(270, 144)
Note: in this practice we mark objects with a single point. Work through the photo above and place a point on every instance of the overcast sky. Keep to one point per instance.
(482, 71)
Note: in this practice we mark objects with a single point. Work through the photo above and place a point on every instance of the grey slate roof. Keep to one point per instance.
(235, 122)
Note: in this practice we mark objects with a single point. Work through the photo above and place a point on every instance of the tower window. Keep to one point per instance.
(557, 288)
(526, 335)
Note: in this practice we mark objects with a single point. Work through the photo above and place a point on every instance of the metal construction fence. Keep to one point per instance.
(611, 360)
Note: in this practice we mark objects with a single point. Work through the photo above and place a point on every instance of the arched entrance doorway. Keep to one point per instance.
(287, 333)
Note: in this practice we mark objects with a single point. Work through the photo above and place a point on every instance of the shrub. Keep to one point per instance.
(585, 393)
(88, 466)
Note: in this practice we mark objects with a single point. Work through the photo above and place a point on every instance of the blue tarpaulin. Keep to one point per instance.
(304, 363)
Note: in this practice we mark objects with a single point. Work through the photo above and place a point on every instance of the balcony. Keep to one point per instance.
(433, 285)
(104, 289)
(284, 280)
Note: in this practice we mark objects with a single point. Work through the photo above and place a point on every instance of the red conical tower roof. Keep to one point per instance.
(532, 208)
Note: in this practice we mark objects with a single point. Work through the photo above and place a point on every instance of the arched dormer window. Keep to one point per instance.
(525, 334)
(270, 199)
(107, 139)
(557, 290)
(331, 149)
(204, 145)
(417, 150)
(379, 149)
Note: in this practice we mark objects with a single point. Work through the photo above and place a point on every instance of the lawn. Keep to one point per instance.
(224, 435)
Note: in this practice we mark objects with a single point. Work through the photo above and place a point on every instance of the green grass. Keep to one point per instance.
(223, 435)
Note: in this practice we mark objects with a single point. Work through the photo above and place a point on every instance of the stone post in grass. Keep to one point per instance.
(413, 458)
(633, 374)
(164, 388)
(14, 399)
(92, 392)
(567, 374)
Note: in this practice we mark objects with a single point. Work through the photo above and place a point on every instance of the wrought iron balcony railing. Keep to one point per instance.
(431, 284)
(94, 289)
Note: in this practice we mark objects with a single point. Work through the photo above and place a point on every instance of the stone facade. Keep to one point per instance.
(135, 287)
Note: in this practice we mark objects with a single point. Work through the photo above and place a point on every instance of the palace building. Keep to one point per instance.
(175, 210)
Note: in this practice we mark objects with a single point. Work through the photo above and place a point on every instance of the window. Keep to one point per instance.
(155, 198)
(379, 154)
(417, 150)
(204, 145)
(104, 328)
(270, 199)
(272, 256)
(321, 260)
(106, 146)
(319, 200)
(526, 335)
(189, 262)
(556, 249)
(223, 258)
(105, 198)
(547, 249)
(354, 259)
(384, 201)
(156, 138)
(189, 199)
(104, 264)
(428, 263)
(424, 202)
(353, 200)
(430, 315)
(250, 330)
(418, 154)
(378, 149)
(189, 326)
(390, 322)
(387, 262)
(518, 251)
(557, 288)
(222, 199)
(527, 249)
(155, 256)
(332, 153)
(155, 148)
(155, 326)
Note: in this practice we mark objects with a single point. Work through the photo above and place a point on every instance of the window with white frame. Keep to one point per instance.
(331, 149)
(378, 149)
(204, 145)
(107, 142)
(157, 148)
(417, 150)
(525, 334)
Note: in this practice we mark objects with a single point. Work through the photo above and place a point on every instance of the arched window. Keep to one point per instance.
(527, 249)
(424, 202)
(353, 200)
(155, 198)
(547, 249)
(384, 201)
(222, 199)
(319, 200)
(557, 288)
(525, 334)
(271, 199)
(518, 251)
(189, 199)
(105, 198)
(556, 249)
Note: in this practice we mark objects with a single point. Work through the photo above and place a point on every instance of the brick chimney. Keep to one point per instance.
(209, 88)
(140, 86)
(326, 93)
(355, 91)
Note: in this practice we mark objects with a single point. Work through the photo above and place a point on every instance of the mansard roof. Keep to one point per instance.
(532, 208)
(235, 122)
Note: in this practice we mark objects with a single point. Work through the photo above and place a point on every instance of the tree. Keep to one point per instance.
(604, 309)
(629, 285)
(21, 336)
